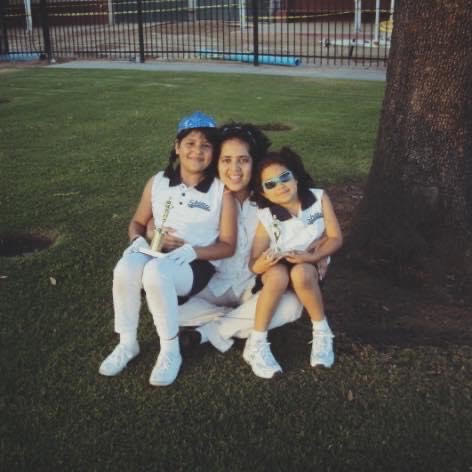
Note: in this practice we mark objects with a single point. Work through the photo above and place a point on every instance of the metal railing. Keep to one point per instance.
(285, 32)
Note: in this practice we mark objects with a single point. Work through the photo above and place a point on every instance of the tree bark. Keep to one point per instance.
(418, 197)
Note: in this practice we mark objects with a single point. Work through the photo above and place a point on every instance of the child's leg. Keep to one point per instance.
(275, 282)
(257, 352)
(127, 285)
(304, 279)
(164, 280)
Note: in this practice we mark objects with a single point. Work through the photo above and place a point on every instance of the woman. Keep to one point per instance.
(242, 147)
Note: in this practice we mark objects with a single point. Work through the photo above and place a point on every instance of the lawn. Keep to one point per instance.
(76, 148)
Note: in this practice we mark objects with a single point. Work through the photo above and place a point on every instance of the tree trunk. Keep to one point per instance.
(418, 198)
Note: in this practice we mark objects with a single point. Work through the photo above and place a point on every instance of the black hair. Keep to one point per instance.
(258, 143)
(256, 140)
(289, 159)
(212, 135)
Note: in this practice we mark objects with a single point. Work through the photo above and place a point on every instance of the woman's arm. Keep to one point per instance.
(225, 245)
(262, 257)
(137, 225)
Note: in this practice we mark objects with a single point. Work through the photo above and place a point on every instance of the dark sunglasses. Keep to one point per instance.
(235, 130)
(285, 176)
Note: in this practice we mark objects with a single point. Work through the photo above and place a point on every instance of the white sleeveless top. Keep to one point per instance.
(296, 232)
(195, 211)
(233, 272)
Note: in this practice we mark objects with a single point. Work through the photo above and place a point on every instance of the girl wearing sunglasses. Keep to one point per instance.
(292, 215)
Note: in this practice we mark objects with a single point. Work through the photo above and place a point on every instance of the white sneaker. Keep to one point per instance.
(166, 369)
(118, 359)
(260, 358)
(322, 349)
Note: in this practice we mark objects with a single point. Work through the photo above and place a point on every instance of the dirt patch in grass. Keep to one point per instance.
(370, 307)
(274, 127)
(23, 244)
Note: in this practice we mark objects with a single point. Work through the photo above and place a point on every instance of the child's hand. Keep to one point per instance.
(183, 255)
(171, 241)
(322, 266)
(266, 260)
(298, 257)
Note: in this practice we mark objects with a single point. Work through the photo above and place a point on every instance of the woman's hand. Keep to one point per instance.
(266, 260)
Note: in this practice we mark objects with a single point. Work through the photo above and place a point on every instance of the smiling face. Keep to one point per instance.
(284, 193)
(195, 153)
(235, 167)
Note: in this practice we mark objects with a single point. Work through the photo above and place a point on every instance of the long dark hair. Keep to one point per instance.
(212, 135)
(289, 159)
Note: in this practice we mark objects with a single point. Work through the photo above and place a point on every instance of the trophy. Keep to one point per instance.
(277, 232)
(159, 233)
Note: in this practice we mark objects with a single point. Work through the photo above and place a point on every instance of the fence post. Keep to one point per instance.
(255, 30)
(43, 9)
(140, 31)
(4, 49)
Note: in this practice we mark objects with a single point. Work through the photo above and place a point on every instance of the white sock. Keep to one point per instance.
(203, 335)
(171, 345)
(321, 325)
(128, 338)
(258, 336)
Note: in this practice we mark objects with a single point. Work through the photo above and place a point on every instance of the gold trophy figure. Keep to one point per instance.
(277, 232)
(159, 233)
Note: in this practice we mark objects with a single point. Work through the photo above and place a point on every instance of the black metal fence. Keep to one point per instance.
(286, 32)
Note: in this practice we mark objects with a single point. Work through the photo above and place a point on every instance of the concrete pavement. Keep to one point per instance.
(320, 72)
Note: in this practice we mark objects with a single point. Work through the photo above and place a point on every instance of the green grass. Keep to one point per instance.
(76, 148)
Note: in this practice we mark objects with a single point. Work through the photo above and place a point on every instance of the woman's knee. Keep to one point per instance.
(304, 276)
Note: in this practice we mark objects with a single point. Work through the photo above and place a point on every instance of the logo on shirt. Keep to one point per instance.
(313, 217)
(197, 204)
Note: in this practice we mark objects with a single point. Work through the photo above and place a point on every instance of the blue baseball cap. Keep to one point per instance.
(196, 120)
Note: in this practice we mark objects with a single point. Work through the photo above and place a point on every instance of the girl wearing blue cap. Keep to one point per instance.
(188, 198)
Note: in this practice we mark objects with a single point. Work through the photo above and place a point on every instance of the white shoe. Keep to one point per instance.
(322, 349)
(166, 369)
(259, 357)
(118, 359)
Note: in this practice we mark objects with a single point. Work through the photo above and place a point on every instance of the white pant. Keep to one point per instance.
(222, 323)
(162, 279)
